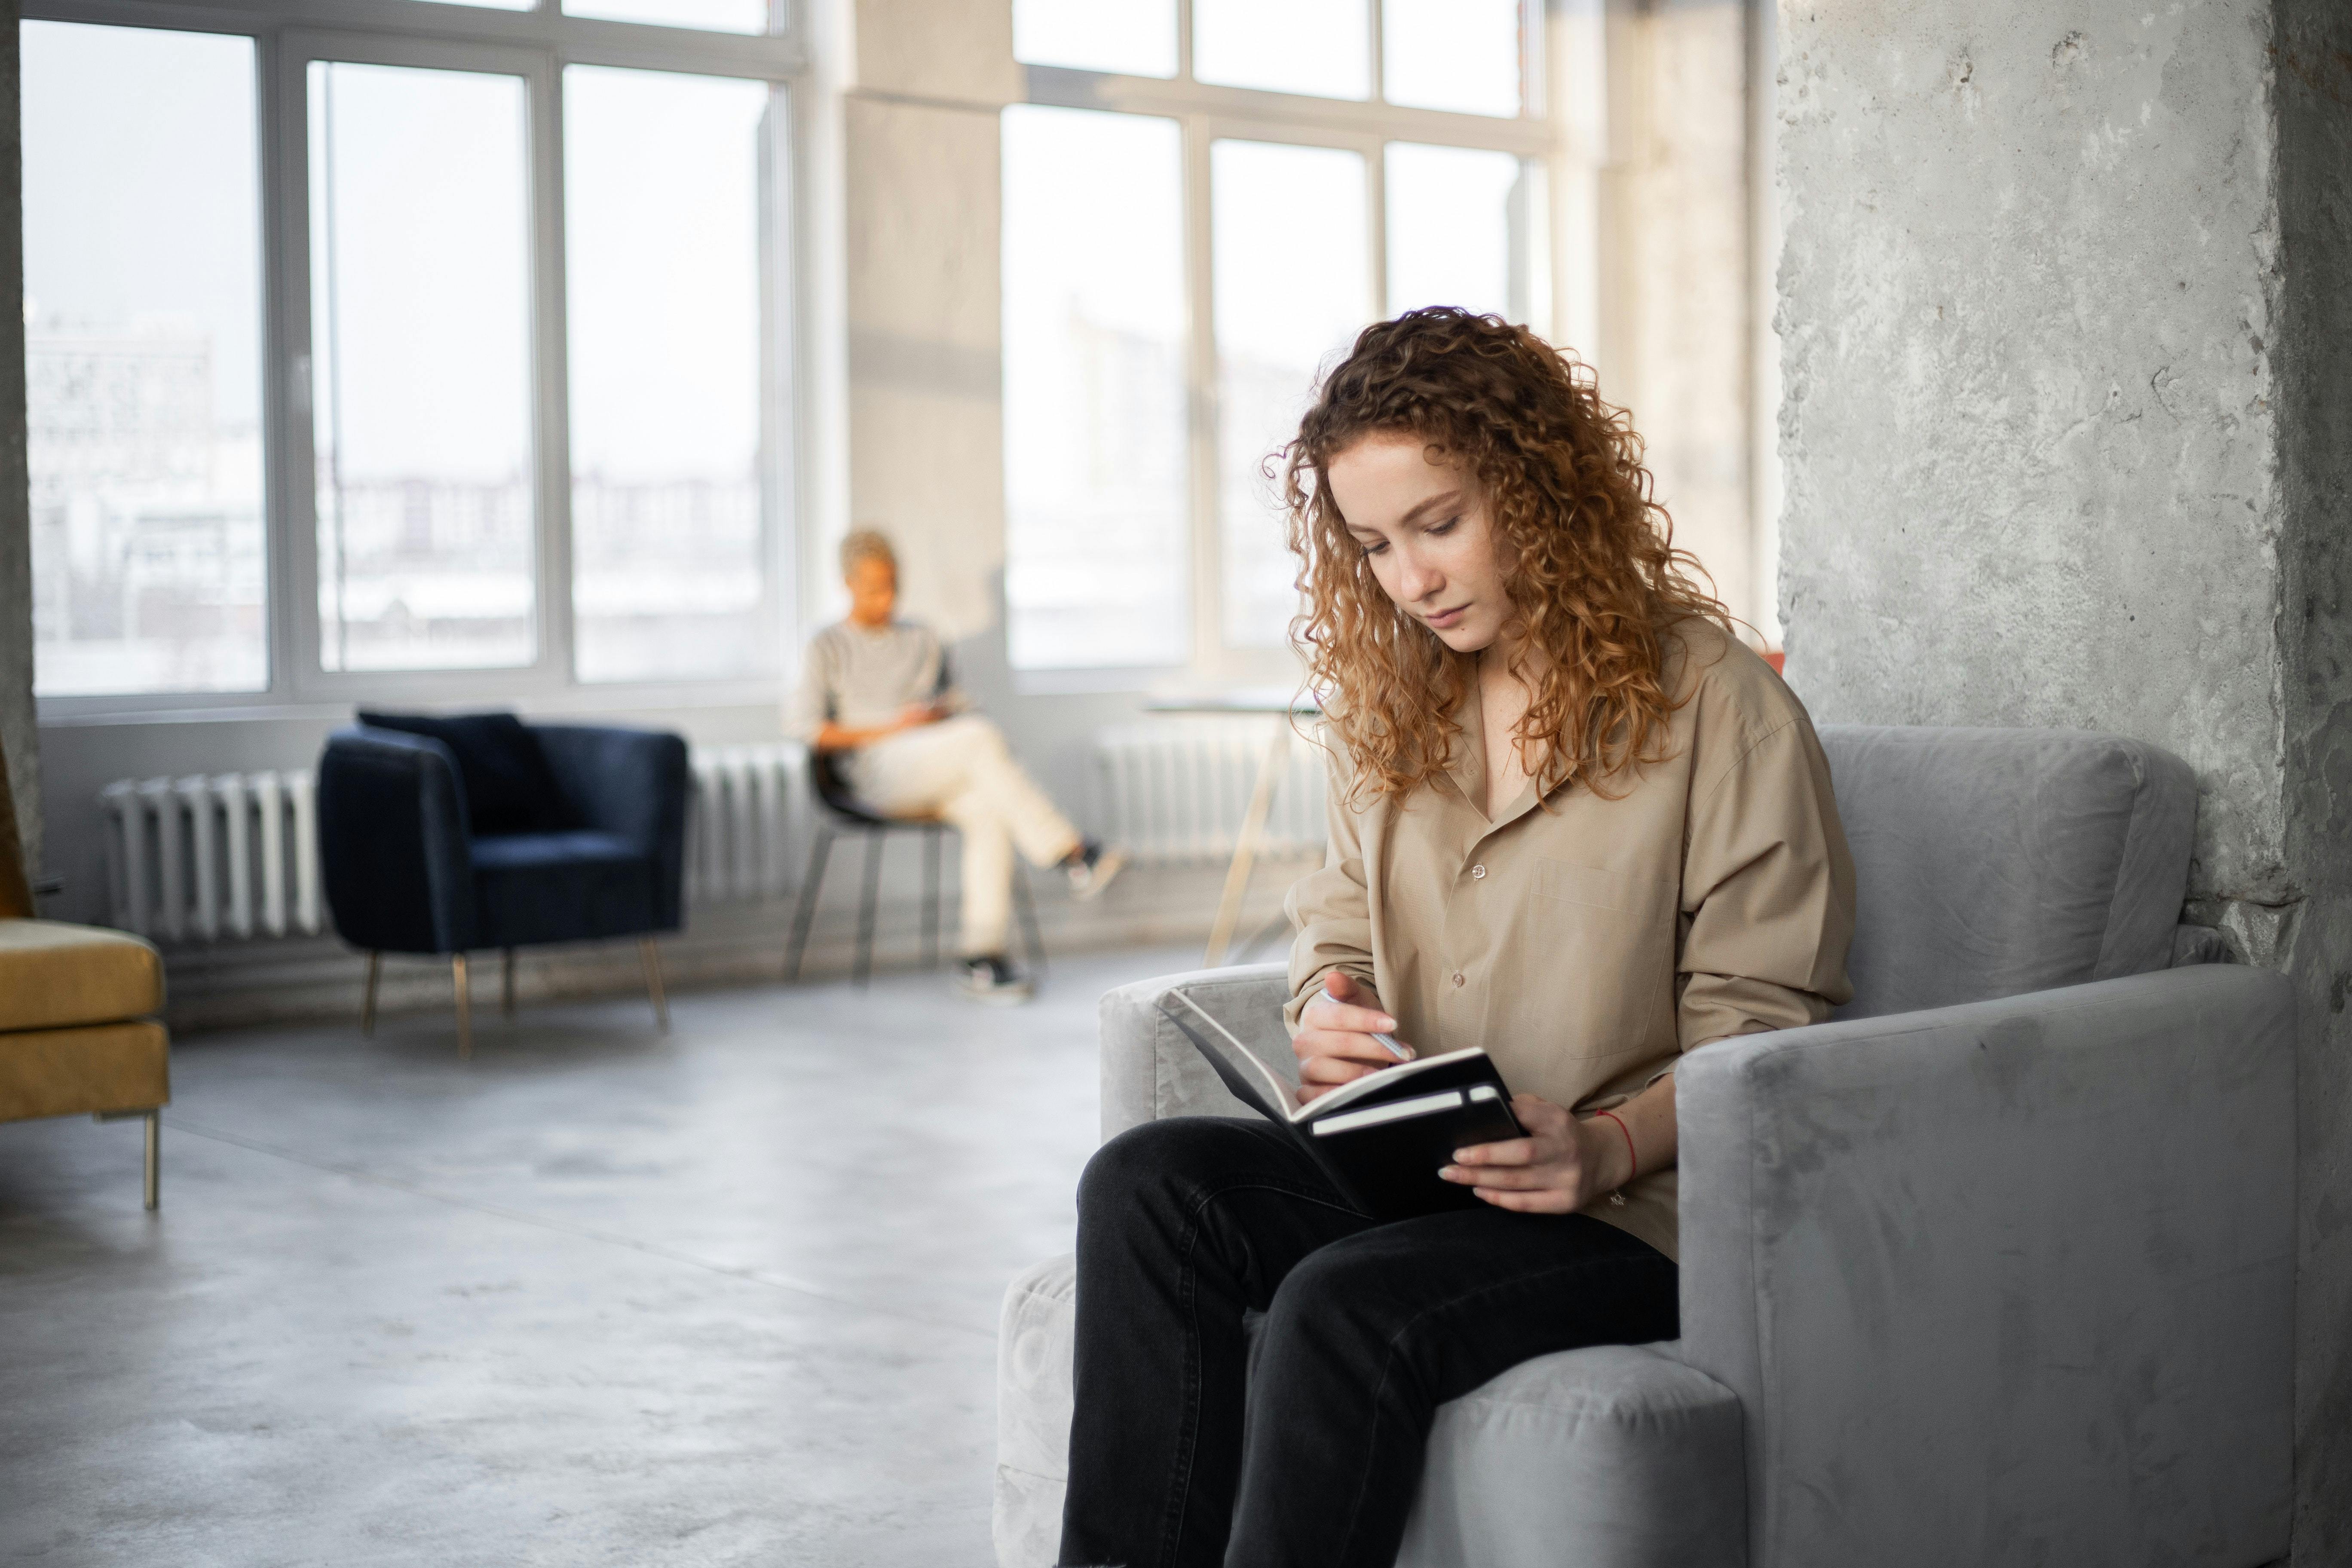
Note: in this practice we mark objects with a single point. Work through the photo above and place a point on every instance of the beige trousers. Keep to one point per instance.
(960, 770)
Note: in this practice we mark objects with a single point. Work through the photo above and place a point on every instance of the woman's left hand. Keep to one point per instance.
(1559, 1167)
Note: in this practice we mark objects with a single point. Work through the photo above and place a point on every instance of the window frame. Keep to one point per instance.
(536, 45)
(1206, 113)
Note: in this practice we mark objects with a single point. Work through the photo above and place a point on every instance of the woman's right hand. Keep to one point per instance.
(1334, 1044)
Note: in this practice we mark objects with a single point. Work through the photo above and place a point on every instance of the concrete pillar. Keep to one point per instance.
(919, 139)
(19, 737)
(2066, 319)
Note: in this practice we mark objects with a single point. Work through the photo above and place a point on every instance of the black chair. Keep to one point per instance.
(838, 812)
(441, 833)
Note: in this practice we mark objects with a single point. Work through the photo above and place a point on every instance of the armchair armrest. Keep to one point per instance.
(1149, 1070)
(394, 849)
(631, 783)
(2008, 1281)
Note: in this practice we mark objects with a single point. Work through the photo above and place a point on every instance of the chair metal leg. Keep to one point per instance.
(933, 836)
(465, 1007)
(154, 1138)
(819, 852)
(863, 969)
(651, 955)
(1027, 907)
(506, 985)
(367, 996)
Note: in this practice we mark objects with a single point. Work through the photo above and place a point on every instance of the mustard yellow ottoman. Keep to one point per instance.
(76, 1031)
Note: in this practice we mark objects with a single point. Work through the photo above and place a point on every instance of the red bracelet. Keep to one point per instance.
(1634, 1158)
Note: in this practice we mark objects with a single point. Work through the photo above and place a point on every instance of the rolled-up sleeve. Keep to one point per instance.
(1331, 908)
(1768, 900)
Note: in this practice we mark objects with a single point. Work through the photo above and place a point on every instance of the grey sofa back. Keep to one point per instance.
(1995, 862)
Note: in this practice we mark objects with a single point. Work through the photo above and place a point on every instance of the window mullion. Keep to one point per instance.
(782, 374)
(279, 395)
(551, 346)
(1208, 520)
(294, 512)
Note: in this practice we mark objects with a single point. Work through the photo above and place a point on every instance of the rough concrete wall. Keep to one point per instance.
(1676, 344)
(19, 737)
(2027, 417)
(2314, 344)
(2066, 427)
(925, 382)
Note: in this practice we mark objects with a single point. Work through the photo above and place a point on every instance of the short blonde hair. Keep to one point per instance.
(867, 544)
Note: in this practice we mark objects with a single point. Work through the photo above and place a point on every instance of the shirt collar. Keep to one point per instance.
(1466, 768)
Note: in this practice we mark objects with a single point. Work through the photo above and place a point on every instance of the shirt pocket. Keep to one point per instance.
(1616, 932)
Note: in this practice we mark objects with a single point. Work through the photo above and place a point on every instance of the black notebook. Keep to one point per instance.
(1383, 1137)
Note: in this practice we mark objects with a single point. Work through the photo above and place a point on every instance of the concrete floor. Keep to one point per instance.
(596, 1298)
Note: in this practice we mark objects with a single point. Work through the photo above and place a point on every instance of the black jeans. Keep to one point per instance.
(1186, 1450)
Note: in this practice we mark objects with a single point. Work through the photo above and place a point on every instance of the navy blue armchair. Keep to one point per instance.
(449, 833)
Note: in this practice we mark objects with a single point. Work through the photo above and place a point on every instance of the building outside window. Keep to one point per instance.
(1205, 201)
(144, 361)
(472, 377)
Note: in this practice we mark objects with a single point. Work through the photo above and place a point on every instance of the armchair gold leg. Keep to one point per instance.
(652, 957)
(465, 1007)
(367, 997)
(507, 985)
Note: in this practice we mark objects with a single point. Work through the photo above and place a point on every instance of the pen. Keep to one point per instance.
(1389, 1044)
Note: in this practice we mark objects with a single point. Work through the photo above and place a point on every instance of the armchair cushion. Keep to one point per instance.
(510, 788)
(1620, 1449)
(559, 887)
(53, 975)
(1996, 862)
(73, 1072)
(1621, 1455)
(631, 783)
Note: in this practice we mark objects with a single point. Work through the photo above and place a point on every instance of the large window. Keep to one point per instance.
(1292, 283)
(1194, 229)
(664, 176)
(1095, 442)
(473, 379)
(420, 288)
(143, 361)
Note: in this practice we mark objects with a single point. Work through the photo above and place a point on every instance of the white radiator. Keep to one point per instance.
(1174, 791)
(235, 855)
(749, 827)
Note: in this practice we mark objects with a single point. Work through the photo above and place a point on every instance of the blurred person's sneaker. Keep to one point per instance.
(992, 980)
(1091, 868)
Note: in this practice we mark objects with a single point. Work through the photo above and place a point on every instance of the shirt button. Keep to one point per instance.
(1477, 871)
(1457, 979)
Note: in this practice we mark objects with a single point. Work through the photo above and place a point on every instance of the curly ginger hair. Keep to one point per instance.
(1587, 555)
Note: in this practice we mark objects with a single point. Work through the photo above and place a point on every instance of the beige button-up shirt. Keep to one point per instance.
(1585, 942)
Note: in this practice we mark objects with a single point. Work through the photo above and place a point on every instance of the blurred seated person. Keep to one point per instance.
(875, 692)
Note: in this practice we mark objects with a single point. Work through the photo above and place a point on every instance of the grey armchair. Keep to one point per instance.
(1995, 1266)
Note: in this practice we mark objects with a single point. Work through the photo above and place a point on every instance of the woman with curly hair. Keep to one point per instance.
(1574, 821)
